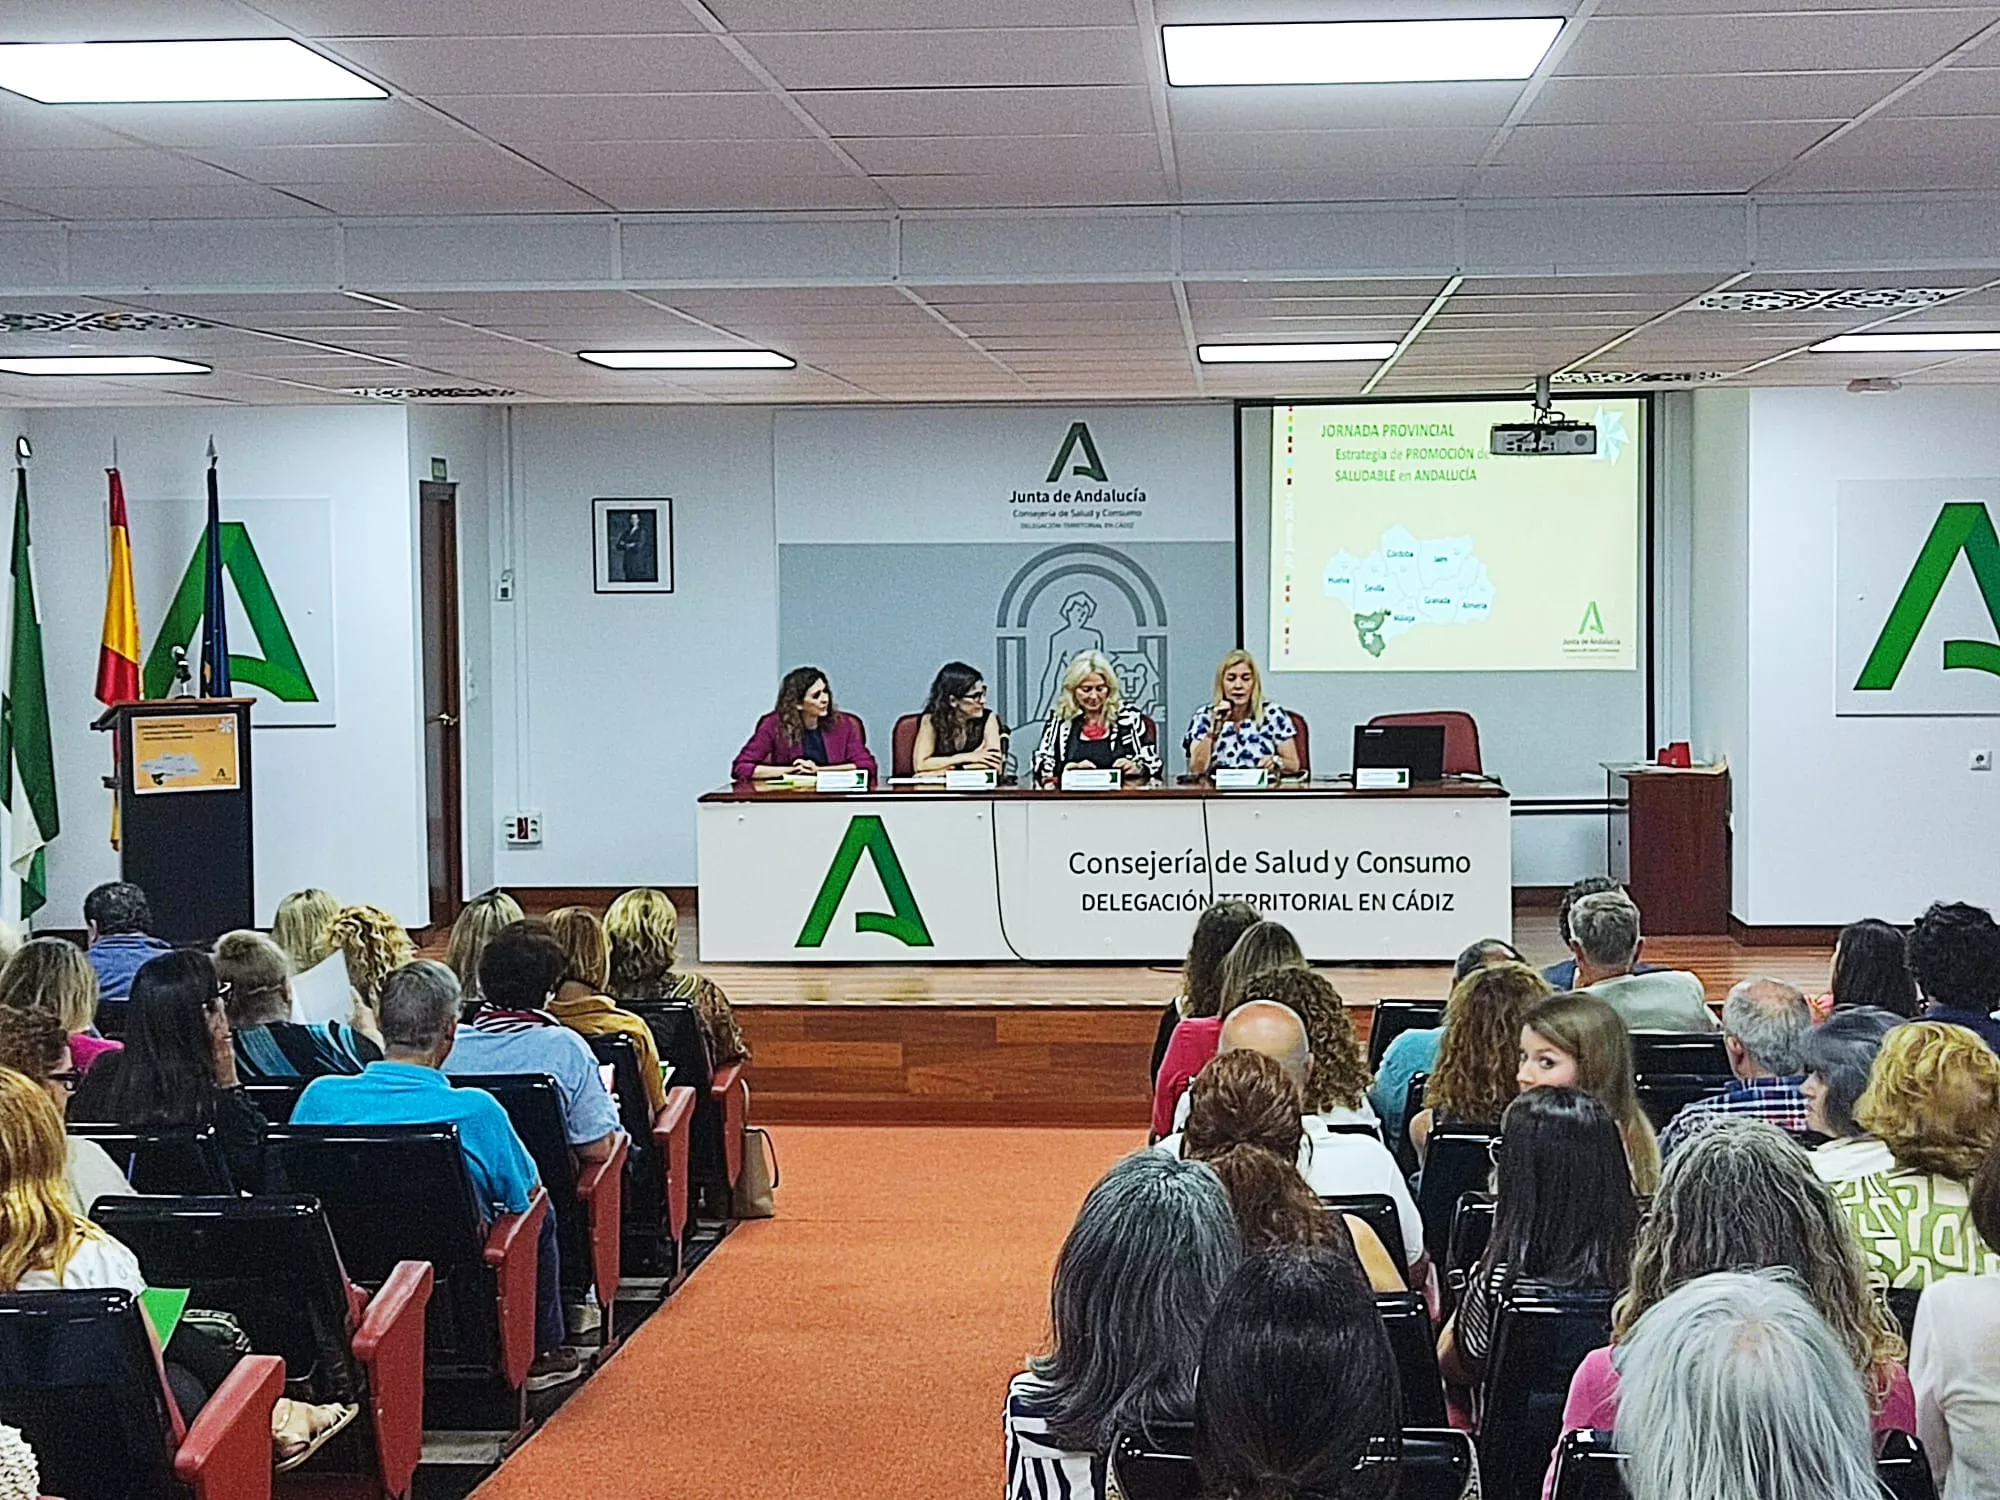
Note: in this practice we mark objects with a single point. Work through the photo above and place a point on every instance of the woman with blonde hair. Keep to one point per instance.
(1259, 949)
(1090, 726)
(1933, 1098)
(582, 1005)
(481, 919)
(1236, 729)
(644, 931)
(1575, 1040)
(1479, 1054)
(300, 927)
(374, 945)
(54, 976)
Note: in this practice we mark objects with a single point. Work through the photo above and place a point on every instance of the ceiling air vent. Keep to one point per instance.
(96, 322)
(430, 392)
(1834, 299)
(1635, 377)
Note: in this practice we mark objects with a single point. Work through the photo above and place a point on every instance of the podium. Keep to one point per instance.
(1668, 844)
(183, 786)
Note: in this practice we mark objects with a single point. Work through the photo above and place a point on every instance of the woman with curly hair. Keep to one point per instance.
(644, 931)
(1337, 1088)
(1741, 1195)
(1480, 1052)
(1933, 1099)
(373, 945)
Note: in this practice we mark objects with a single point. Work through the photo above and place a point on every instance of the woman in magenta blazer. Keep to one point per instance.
(803, 734)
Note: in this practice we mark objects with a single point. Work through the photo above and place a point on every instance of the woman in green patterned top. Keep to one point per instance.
(645, 942)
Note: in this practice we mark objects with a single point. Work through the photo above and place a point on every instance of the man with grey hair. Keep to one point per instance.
(1764, 1027)
(1336, 1158)
(1605, 937)
(418, 1015)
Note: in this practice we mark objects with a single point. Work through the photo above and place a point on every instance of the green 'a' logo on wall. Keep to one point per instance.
(1962, 526)
(866, 835)
(280, 671)
(1593, 622)
(1090, 466)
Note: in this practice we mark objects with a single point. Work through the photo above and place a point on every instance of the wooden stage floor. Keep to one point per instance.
(1056, 1044)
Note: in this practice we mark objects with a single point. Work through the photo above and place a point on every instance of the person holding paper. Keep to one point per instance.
(1091, 726)
(1237, 729)
(803, 735)
(958, 732)
(270, 1040)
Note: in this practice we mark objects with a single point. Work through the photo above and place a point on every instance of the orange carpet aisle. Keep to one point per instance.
(859, 1345)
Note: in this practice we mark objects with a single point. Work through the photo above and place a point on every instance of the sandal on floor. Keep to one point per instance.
(322, 1422)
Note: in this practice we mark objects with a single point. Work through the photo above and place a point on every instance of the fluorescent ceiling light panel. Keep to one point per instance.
(175, 72)
(688, 359)
(101, 364)
(1357, 51)
(1291, 354)
(1911, 343)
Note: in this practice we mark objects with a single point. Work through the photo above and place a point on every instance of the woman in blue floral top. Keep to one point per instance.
(1239, 729)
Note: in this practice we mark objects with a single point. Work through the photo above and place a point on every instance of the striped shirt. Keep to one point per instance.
(1036, 1469)
(1777, 1101)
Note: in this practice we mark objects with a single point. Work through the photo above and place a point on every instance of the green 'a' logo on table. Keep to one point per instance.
(280, 671)
(1962, 526)
(866, 835)
(1090, 466)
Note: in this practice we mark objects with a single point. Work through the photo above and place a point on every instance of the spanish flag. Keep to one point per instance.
(118, 657)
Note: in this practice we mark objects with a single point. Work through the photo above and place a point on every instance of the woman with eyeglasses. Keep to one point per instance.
(33, 1044)
(958, 732)
(179, 1065)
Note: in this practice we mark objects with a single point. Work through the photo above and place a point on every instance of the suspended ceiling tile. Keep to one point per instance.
(1110, 108)
(1011, 57)
(551, 65)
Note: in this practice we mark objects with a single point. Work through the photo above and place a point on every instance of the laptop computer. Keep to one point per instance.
(1419, 748)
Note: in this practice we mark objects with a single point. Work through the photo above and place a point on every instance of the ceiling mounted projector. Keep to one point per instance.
(1549, 435)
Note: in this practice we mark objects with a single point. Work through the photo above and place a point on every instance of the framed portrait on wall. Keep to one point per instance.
(633, 541)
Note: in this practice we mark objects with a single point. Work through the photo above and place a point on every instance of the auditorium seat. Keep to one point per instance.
(721, 1097)
(1589, 1467)
(1402, 1147)
(903, 745)
(79, 1378)
(1461, 737)
(1903, 1302)
(275, 1098)
(1540, 1336)
(272, 1263)
(1301, 741)
(1692, 1053)
(1459, 1161)
(1471, 1229)
(1378, 1212)
(175, 1159)
(401, 1192)
(656, 1167)
(1394, 1017)
(585, 1197)
(1413, 1342)
(1437, 1463)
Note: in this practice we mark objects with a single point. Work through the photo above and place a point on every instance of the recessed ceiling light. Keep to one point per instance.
(1290, 354)
(1357, 51)
(1910, 343)
(101, 364)
(688, 359)
(175, 72)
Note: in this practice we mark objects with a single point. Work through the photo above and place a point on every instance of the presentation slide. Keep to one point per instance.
(1399, 543)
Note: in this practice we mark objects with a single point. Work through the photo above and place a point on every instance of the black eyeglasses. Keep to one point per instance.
(68, 1080)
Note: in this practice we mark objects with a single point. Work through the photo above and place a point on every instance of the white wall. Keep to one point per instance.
(341, 807)
(1719, 627)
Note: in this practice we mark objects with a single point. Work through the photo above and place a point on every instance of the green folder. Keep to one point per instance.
(163, 1307)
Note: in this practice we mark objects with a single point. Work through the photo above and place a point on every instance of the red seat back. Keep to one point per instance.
(1302, 740)
(1461, 737)
(903, 745)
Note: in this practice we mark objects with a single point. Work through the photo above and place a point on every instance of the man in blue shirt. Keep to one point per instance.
(1955, 958)
(417, 1012)
(118, 920)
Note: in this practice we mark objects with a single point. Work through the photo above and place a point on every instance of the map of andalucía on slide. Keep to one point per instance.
(1406, 583)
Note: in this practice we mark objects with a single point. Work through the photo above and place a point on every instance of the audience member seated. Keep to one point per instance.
(1333, 1163)
(1152, 1247)
(33, 1045)
(1215, 933)
(509, 1030)
(1562, 976)
(1336, 1084)
(300, 927)
(1246, 1123)
(374, 946)
(1416, 1050)
(119, 923)
(1764, 1023)
(178, 1067)
(1837, 1055)
(1741, 1196)
(480, 920)
(1955, 1363)
(1259, 948)
(1955, 958)
(47, 1245)
(582, 1005)
(644, 932)
(1297, 1394)
(268, 1042)
(1605, 939)
(1564, 1216)
(52, 975)
(1735, 1388)
(1479, 1057)
(1578, 1041)
(1871, 966)
(418, 1011)
(1933, 1099)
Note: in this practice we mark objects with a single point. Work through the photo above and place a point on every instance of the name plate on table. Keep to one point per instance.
(970, 781)
(1091, 779)
(841, 781)
(1381, 778)
(1242, 779)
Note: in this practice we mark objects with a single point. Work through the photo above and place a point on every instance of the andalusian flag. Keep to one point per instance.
(27, 755)
(118, 657)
